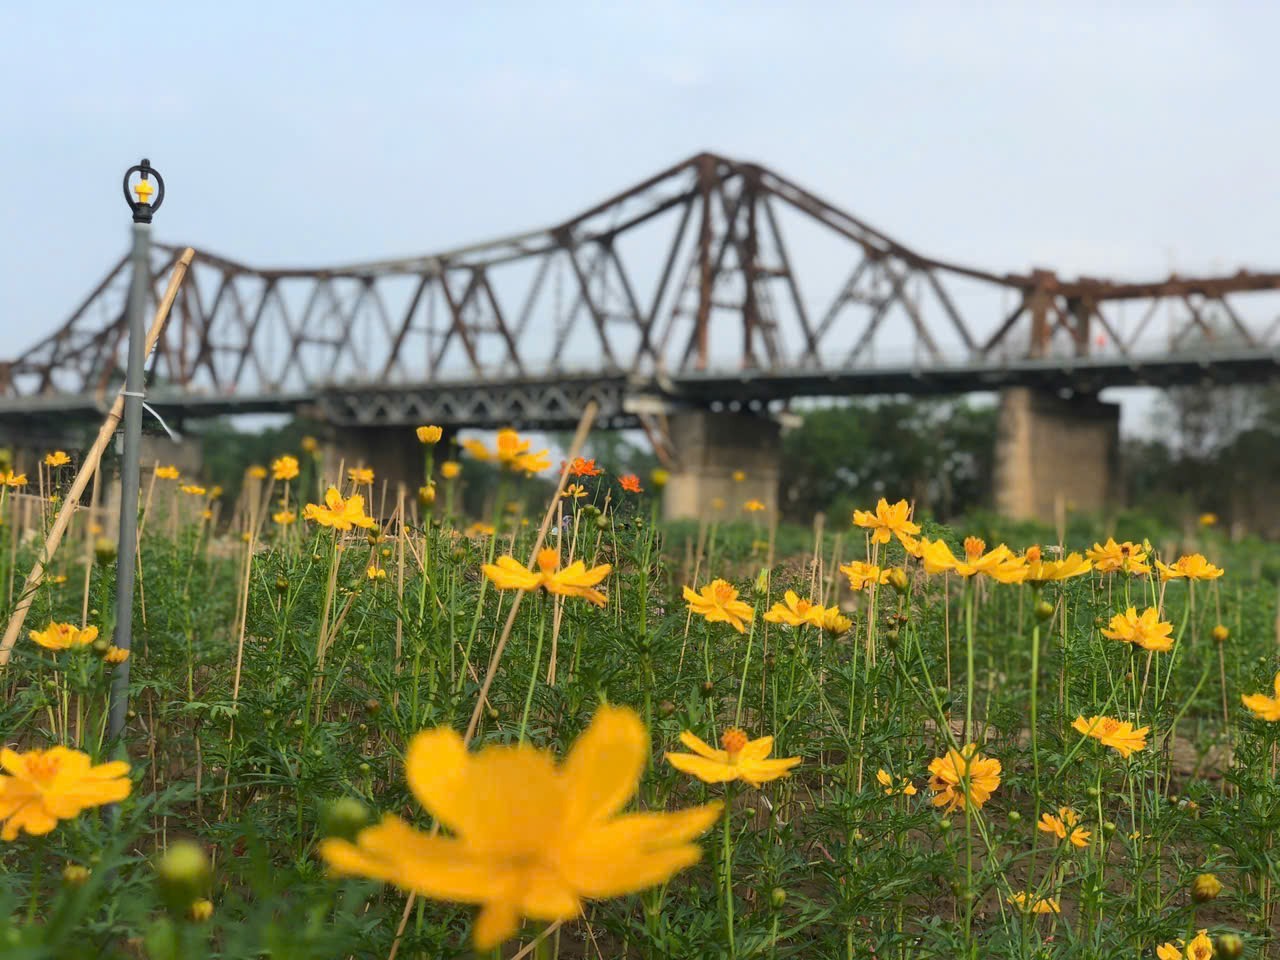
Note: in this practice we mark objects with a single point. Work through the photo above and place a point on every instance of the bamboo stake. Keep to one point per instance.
(87, 469)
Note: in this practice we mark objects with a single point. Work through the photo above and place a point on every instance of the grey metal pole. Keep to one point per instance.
(126, 554)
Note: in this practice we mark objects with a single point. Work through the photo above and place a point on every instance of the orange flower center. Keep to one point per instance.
(733, 740)
(974, 547)
(724, 593)
(548, 560)
(42, 767)
(1033, 554)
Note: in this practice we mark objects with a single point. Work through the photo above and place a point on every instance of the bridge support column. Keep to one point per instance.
(710, 447)
(1052, 451)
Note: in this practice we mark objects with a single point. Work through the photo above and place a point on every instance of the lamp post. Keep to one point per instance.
(144, 200)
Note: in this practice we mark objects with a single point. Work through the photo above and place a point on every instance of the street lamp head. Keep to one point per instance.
(143, 197)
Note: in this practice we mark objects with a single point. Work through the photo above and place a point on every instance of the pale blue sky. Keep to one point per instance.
(1092, 139)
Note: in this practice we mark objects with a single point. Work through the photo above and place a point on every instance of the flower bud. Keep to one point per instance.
(1014, 816)
(344, 818)
(74, 875)
(182, 874)
(101, 646)
(666, 708)
(1044, 610)
(778, 897)
(761, 586)
(372, 706)
(898, 580)
(1220, 633)
(944, 825)
(1229, 946)
(200, 910)
(1205, 887)
(602, 522)
(104, 550)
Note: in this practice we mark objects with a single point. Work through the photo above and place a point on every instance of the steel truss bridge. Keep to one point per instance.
(713, 284)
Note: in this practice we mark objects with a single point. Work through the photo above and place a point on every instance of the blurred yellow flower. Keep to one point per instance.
(257, 472)
(309, 444)
(167, 473)
(1208, 519)
(575, 580)
(904, 787)
(718, 602)
(375, 572)
(566, 839)
(717, 503)
(284, 517)
(795, 612)
(887, 521)
(40, 787)
(115, 655)
(58, 458)
(1064, 827)
(339, 513)
(360, 475)
(11, 479)
(478, 529)
(64, 636)
(1000, 563)
(753, 506)
(511, 452)
(1145, 630)
(430, 435)
(284, 468)
(193, 489)
(574, 491)
(741, 759)
(861, 574)
(963, 777)
(739, 476)
(1038, 905)
(1041, 571)
(450, 469)
(1120, 735)
(659, 477)
(1262, 706)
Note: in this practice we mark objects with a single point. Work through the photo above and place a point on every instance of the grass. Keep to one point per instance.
(272, 676)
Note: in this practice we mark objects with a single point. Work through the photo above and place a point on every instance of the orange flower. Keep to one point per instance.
(361, 475)
(1110, 557)
(41, 787)
(1192, 567)
(860, 574)
(582, 467)
(1145, 630)
(630, 483)
(796, 612)
(1262, 706)
(718, 602)
(575, 580)
(1117, 734)
(741, 759)
(963, 777)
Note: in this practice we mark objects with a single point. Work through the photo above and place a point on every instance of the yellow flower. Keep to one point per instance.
(309, 444)
(574, 491)
(339, 513)
(1110, 557)
(861, 574)
(64, 636)
(11, 479)
(40, 787)
(479, 529)
(1000, 564)
(1193, 567)
(257, 472)
(1064, 826)
(430, 435)
(963, 777)
(739, 476)
(450, 469)
(200, 910)
(1208, 519)
(284, 517)
(718, 602)
(1117, 734)
(753, 506)
(795, 612)
(834, 622)
(1262, 706)
(360, 475)
(1039, 905)
(659, 477)
(1167, 951)
(511, 453)
(741, 759)
(284, 468)
(1146, 630)
(574, 580)
(717, 503)
(564, 841)
(376, 573)
(206, 514)
(1205, 887)
(193, 489)
(904, 787)
(215, 492)
(56, 578)
(58, 458)
(887, 521)
(167, 473)
(427, 494)
(1200, 948)
(115, 655)
(1040, 571)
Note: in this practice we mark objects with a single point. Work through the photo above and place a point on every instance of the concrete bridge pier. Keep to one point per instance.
(1051, 451)
(710, 448)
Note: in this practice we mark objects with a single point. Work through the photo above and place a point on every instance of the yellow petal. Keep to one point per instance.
(434, 766)
(604, 766)
(708, 771)
(496, 924)
(757, 749)
(701, 748)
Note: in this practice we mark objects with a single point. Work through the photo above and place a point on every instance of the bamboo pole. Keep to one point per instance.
(88, 468)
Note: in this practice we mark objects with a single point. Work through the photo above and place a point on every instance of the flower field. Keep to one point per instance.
(362, 724)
